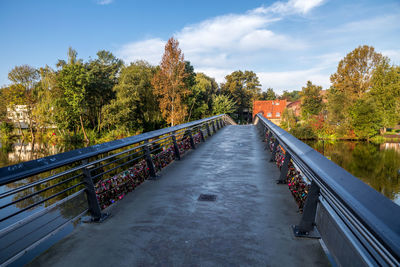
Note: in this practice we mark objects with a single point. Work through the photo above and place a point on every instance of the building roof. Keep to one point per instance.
(271, 109)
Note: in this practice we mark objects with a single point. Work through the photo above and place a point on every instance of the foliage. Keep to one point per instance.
(135, 107)
(289, 119)
(385, 93)
(243, 88)
(351, 81)
(366, 119)
(268, 95)
(169, 84)
(311, 100)
(303, 131)
(222, 104)
(291, 96)
(201, 99)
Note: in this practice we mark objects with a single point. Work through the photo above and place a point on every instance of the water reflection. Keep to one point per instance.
(13, 153)
(376, 165)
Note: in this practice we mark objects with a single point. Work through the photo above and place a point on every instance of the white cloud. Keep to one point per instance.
(291, 7)
(219, 45)
(393, 55)
(293, 80)
(104, 2)
(150, 50)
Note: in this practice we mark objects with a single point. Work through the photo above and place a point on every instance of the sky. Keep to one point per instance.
(286, 43)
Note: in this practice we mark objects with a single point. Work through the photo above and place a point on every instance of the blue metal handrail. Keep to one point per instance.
(373, 218)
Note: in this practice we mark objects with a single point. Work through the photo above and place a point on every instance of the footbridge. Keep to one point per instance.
(204, 193)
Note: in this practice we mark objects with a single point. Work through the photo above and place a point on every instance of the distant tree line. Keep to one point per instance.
(362, 102)
(103, 99)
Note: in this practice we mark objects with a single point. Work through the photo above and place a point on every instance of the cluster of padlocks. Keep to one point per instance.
(197, 138)
(115, 188)
(295, 181)
(184, 145)
(163, 158)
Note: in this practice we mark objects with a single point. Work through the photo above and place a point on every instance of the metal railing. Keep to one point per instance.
(358, 225)
(40, 197)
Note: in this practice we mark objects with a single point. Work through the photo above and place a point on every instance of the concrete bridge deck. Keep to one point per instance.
(162, 223)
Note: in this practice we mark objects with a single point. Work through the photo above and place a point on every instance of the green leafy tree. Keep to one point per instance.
(74, 79)
(200, 100)
(24, 78)
(243, 88)
(104, 72)
(365, 118)
(291, 96)
(135, 107)
(385, 93)
(351, 81)
(311, 100)
(222, 104)
(268, 95)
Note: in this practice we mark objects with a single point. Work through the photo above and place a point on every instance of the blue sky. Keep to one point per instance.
(285, 42)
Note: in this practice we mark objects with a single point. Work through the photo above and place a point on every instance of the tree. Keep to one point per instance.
(365, 117)
(291, 96)
(201, 98)
(169, 84)
(74, 79)
(311, 100)
(222, 104)
(104, 76)
(25, 78)
(268, 95)
(243, 88)
(351, 81)
(135, 107)
(385, 93)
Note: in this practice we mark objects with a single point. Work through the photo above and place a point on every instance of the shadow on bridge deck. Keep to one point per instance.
(163, 223)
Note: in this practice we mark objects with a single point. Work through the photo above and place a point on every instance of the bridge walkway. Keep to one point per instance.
(162, 223)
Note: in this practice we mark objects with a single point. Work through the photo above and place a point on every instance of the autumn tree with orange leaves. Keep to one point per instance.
(169, 84)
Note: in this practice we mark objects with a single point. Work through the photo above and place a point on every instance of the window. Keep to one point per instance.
(278, 114)
(269, 114)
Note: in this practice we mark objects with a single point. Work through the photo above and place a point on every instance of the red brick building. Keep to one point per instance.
(271, 109)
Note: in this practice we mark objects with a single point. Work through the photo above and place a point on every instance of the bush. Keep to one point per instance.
(303, 132)
(6, 128)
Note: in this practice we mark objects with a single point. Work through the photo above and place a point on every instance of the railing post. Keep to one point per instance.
(220, 123)
(276, 144)
(176, 147)
(93, 203)
(202, 135)
(217, 123)
(208, 129)
(192, 144)
(284, 169)
(306, 227)
(213, 126)
(267, 141)
(149, 161)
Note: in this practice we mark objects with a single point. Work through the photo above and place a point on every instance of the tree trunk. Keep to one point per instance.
(83, 130)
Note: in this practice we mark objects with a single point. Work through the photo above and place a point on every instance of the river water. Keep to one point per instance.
(376, 165)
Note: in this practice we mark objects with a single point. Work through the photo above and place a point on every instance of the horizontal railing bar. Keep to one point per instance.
(26, 169)
(40, 191)
(371, 208)
(41, 181)
(40, 202)
(117, 167)
(32, 217)
(111, 162)
(38, 242)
